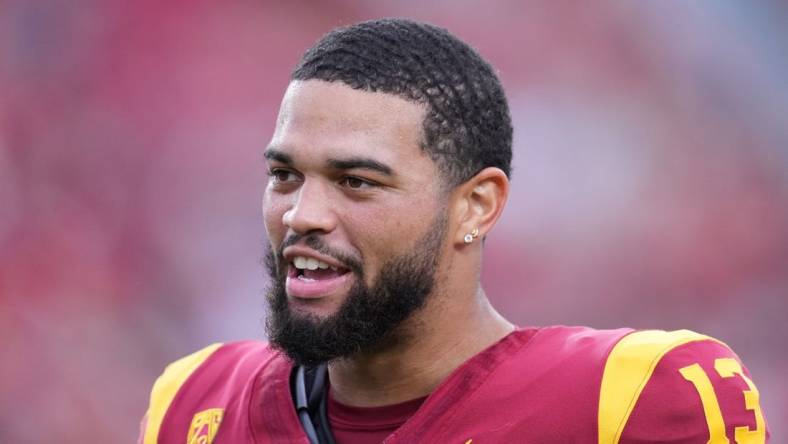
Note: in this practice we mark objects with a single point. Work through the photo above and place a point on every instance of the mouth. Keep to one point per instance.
(310, 278)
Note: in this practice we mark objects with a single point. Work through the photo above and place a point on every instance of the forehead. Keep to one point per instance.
(332, 118)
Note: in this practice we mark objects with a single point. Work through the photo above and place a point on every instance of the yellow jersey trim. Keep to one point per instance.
(627, 370)
(167, 386)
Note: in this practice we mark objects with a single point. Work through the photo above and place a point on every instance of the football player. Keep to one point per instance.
(388, 166)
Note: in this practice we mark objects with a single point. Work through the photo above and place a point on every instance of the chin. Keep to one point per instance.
(321, 308)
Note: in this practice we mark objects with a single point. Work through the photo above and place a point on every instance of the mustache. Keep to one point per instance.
(317, 243)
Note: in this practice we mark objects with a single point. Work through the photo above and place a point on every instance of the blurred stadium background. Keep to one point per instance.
(650, 185)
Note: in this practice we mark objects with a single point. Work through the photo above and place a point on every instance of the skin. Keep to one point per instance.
(325, 177)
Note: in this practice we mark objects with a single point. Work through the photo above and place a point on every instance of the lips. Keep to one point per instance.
(313, 276)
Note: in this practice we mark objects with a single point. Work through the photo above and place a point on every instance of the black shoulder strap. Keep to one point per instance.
(310, 393)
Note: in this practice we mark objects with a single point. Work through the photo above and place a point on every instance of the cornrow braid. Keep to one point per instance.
(467, 125)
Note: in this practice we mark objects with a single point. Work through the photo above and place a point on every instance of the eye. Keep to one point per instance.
(282, 175)
(356, 183)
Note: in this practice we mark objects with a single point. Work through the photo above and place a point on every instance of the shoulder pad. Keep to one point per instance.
(674, 387)
(166, 387)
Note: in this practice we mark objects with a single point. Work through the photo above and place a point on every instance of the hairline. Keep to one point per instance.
(447, 182)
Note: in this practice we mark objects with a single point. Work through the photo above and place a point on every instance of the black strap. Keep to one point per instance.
(310, 396)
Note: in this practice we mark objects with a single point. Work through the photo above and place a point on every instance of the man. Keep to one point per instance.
(388, 166)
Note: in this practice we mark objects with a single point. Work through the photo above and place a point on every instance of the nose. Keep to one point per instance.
(311, 210)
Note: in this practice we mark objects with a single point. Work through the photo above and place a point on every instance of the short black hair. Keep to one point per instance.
(467, 125)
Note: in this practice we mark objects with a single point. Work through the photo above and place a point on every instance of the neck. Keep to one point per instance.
(435, 342)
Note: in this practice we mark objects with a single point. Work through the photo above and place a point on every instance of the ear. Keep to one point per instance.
(479, 203)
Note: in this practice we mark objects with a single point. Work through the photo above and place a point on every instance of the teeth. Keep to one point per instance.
(310, 263)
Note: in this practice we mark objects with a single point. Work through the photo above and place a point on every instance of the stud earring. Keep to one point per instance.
(471, 236)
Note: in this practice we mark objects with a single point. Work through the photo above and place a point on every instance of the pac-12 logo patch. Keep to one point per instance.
(204, 426)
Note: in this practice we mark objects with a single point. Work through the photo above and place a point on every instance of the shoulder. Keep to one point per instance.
(537, 384)
(578, 339)
(543, 360)
(677, 387)
(221, 370)
(575, 348)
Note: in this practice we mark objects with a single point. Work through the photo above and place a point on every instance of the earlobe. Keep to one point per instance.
(482, 200)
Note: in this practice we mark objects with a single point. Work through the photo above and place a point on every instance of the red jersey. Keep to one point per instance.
(537, 385)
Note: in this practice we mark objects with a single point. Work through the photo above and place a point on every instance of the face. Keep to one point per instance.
(355, 218)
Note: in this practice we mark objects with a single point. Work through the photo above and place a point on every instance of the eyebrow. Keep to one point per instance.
(350, 163)
(277, 155)
(363, 163)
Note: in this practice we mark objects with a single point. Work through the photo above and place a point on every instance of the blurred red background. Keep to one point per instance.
(650, 186)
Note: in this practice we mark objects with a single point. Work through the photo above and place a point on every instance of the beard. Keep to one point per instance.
(367, 320)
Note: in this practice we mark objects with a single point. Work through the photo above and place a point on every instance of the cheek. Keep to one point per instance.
(385, 231)
(273, 210)
(405, 219)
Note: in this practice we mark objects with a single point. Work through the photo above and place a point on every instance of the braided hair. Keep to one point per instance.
(467, 125)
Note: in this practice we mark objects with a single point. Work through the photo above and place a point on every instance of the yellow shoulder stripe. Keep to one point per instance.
(627, 370)
(167, 386)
